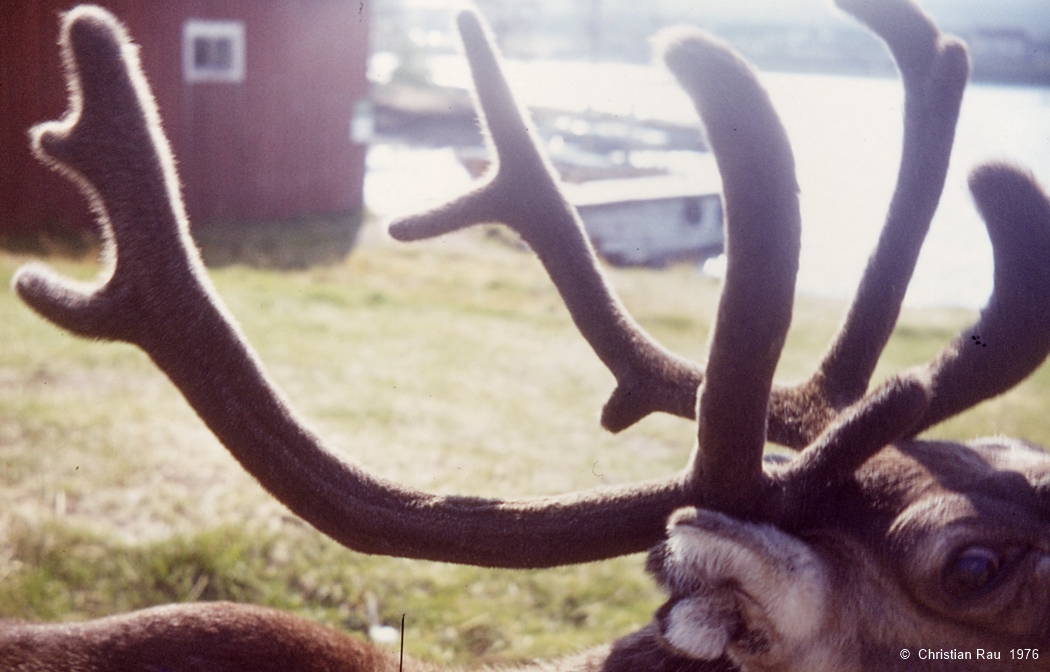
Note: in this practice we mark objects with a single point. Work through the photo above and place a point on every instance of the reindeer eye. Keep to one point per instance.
(972, 570)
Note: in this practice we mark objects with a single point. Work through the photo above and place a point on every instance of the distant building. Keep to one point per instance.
(651, 221)
(258, 100)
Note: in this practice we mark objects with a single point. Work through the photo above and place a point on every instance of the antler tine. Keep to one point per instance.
(762, 247)
(934, 69)
(522, 193)
(1012, 337)
(157, 297)
(858, 432)
(1016, 320)
(506, 130)
(107, 154)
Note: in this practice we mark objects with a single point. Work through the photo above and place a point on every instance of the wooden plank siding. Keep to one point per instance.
(276, 146)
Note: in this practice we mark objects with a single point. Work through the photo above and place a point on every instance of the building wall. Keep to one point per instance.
(275, 146)
(32, 89)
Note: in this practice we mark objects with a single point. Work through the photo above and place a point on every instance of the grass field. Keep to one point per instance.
(450, 366)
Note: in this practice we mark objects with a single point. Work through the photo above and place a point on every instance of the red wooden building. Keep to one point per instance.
(258, 98)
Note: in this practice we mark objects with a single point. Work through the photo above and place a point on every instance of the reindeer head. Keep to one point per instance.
(929, 547)
(865, 543)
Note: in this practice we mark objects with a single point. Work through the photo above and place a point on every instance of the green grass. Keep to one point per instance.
(452, 613)
(450, 366)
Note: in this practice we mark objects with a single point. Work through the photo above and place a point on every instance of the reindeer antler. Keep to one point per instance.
(1012, 337)
(762, 246)
(817, 412)
(157, 296)
(934, 69)
(522, 193)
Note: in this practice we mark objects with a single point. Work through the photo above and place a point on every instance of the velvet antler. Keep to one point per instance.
(156, 295)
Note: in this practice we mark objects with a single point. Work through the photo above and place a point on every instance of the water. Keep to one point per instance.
(846, 134)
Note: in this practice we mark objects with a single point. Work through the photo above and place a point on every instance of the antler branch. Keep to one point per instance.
(1012, 337)
(522, 193)
(762, 248)
(934, 69)
(111, 145)
(157, 297)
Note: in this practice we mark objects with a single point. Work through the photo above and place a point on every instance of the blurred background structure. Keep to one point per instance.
(258, 100)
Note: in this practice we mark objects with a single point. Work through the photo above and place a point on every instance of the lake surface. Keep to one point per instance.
(846, 134)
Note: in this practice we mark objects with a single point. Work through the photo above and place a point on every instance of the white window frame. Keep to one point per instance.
(232, 31)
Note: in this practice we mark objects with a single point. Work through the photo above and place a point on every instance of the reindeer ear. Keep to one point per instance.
(748, 591)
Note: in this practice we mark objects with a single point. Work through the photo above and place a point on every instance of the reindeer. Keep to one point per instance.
(867, 542)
